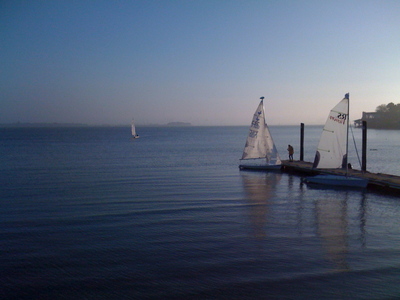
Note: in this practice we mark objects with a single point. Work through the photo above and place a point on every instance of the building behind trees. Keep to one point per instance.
(386, 116)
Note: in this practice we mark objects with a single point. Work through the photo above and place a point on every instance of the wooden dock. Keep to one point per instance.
(379, 181)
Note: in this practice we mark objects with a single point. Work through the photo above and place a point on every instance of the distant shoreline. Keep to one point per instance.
(170, 124)
(65, 125)
(77, 125)
(40, 125)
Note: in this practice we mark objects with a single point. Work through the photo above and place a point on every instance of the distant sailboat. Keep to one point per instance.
(133, 129)
(333, 149)
(260, 152)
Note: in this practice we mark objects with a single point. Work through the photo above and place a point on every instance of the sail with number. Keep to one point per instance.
(332, 148)
(259, 143)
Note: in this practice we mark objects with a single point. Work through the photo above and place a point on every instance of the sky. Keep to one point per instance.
(206, 62)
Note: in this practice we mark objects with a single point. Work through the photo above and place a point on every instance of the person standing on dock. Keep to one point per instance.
(291, 151)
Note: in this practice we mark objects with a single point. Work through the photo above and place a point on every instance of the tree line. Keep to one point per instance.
(388, 116)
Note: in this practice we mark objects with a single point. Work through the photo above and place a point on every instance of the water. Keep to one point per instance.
(88, 213)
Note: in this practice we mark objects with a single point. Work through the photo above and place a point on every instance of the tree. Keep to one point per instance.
(389, 116)
(382, 108)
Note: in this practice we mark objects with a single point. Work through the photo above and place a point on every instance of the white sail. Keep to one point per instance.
(133, 129)
(332, 148)
(259, 143)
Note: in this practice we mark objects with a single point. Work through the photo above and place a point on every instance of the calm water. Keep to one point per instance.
(88, 213)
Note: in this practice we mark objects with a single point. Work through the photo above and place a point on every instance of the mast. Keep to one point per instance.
(364, 146)
(347, 96)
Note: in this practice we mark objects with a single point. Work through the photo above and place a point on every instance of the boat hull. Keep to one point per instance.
(338, 180)
(261, 167)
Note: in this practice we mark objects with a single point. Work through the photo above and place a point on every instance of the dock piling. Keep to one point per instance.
(364, 147)
(302, 142)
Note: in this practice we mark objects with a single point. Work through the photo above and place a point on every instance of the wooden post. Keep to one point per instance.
(302, 142)
(364, 147)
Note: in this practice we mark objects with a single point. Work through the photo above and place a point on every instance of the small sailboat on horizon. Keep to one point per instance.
(260, 151)
(133, 130)
(332, 150)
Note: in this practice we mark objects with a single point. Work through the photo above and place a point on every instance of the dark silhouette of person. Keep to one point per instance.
(291, 151)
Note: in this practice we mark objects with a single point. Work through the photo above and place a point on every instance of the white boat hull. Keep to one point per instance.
(260, 167)
(338, 180)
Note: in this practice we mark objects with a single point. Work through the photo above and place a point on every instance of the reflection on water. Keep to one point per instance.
(331, 216)
(309, 213)
(332, 221)
(363, 218)
(259, 188)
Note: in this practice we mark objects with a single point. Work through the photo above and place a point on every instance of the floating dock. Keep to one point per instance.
(379, 181)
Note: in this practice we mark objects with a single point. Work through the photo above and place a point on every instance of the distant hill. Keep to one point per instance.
(178, 124)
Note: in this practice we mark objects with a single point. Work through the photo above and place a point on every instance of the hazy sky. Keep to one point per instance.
(204, 62)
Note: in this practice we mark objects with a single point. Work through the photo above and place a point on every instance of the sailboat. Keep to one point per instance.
(333, 149)
(260, 151)
(133, 129)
